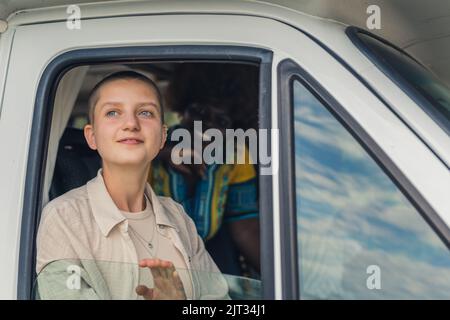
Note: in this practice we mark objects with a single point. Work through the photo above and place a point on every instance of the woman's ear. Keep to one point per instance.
(164, 136)
(89, 136)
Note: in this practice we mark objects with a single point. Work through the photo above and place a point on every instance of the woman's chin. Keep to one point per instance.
(131, 162)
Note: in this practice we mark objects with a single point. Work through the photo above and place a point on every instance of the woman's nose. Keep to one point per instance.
(131, 122)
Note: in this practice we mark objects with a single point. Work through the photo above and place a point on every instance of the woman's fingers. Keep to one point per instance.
(167, 282)
(166, 269)
(145, 292)
(159, 268)
(154, 265)
(177, 281)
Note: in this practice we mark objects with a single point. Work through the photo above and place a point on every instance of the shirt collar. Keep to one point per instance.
(105, 211)
(161, 216)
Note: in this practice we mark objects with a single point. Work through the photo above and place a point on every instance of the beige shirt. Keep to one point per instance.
(84, 248)
(149, 243)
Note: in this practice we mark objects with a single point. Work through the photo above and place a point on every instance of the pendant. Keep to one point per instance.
(150, 245)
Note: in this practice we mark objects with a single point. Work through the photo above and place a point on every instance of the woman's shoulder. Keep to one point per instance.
(173, 207)
(68, 206)
(174, 211)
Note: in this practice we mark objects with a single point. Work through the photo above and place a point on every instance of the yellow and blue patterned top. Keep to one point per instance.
(227, 193)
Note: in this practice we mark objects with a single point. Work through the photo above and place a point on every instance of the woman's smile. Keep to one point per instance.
(131, 141)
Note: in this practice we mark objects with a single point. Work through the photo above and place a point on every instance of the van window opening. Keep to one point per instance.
(206, 101)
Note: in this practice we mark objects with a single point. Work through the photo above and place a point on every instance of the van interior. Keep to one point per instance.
(75, 163)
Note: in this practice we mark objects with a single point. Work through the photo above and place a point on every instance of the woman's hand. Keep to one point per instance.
(167, 282)
(190, 171)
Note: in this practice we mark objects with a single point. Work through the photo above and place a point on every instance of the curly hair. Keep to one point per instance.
(231, 86)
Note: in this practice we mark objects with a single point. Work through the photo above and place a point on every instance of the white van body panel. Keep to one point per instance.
(326, 31)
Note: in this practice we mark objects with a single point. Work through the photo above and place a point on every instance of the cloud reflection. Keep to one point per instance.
(350, 215)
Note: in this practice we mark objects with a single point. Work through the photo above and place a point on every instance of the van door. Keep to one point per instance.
(38, 71)
(355, 225)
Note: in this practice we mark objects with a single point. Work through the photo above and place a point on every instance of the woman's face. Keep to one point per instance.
(127, 127)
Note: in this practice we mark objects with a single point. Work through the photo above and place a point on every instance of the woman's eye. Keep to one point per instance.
(146, 113)
(111, 113)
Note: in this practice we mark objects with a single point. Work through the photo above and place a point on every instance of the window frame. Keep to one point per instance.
(426, 105)
(40, 132)
(288, 72)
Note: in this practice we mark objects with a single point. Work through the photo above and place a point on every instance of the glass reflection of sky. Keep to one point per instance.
(350, 215)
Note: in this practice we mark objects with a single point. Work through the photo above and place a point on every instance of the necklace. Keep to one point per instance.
(149, 245)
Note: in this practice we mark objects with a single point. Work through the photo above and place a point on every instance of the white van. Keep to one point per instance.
(358, 202)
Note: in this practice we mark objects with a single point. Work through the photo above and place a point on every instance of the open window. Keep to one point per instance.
(61, 159)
